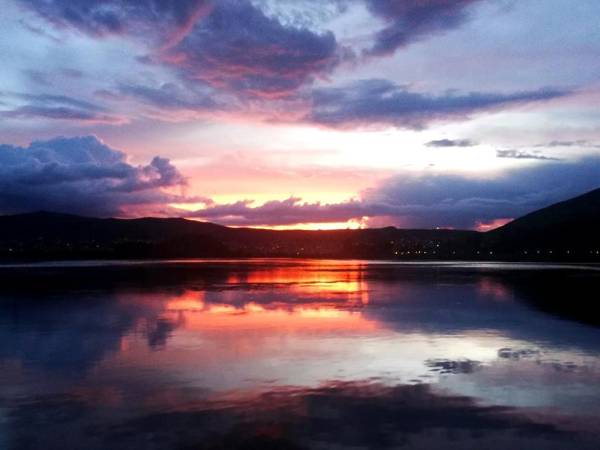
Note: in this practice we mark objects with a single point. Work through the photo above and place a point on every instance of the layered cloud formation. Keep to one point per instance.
(283, 212)
(462, 202)
(335, 86)
(62, 107)
(430, 200)
(81, 175)
(229, 44)
(236, 56)
(380, 102)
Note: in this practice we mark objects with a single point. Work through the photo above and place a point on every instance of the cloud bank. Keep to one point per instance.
(381, 102)
(445, 200)
(430, 200)
(283, 212)
(83, 176)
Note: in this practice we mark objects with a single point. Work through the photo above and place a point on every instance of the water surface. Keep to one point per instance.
(298, 354)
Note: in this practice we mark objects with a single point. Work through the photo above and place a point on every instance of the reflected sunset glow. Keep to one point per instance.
(266, 344)
(252, 316)
(341, 293)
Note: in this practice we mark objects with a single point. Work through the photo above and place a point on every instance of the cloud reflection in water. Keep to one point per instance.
(293, 355)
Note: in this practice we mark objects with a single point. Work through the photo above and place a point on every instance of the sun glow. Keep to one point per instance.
(352, 224)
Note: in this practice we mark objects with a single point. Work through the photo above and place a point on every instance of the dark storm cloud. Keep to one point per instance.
(521, 154)
(381, 102)
(452, 143)
(240, 49)
(430, 200)
(80, 175)
(411, 20)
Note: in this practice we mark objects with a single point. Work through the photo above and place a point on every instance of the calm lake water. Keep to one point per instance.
(298, 354)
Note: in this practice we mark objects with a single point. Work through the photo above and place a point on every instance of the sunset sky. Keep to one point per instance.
(299, 113)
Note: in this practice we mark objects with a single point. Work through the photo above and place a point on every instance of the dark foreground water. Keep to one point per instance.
(294, 354)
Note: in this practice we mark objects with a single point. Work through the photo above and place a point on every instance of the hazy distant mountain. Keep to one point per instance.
(564, 231)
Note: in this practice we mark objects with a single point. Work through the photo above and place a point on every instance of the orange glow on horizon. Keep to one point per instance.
(314, 226)
(352, 224)
(488, 226)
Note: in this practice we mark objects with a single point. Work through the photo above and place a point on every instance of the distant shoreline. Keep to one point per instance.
(565, 232)
(459, 264)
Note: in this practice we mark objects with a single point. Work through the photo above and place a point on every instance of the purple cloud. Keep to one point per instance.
(283, 212)
(408, 21)
(238, 48)
(61, 107)
(169, 96)
(81, 175)
(381, 102)
(230, 45)
(84, 176)
(444, 200)
(156, 18)
(430, 200)
(58, 112)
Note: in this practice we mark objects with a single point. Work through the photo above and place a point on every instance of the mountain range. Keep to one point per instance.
(564, 231)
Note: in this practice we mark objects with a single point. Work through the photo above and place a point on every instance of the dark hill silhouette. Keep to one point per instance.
(571, 226)
(564, 231)
(50, 235)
